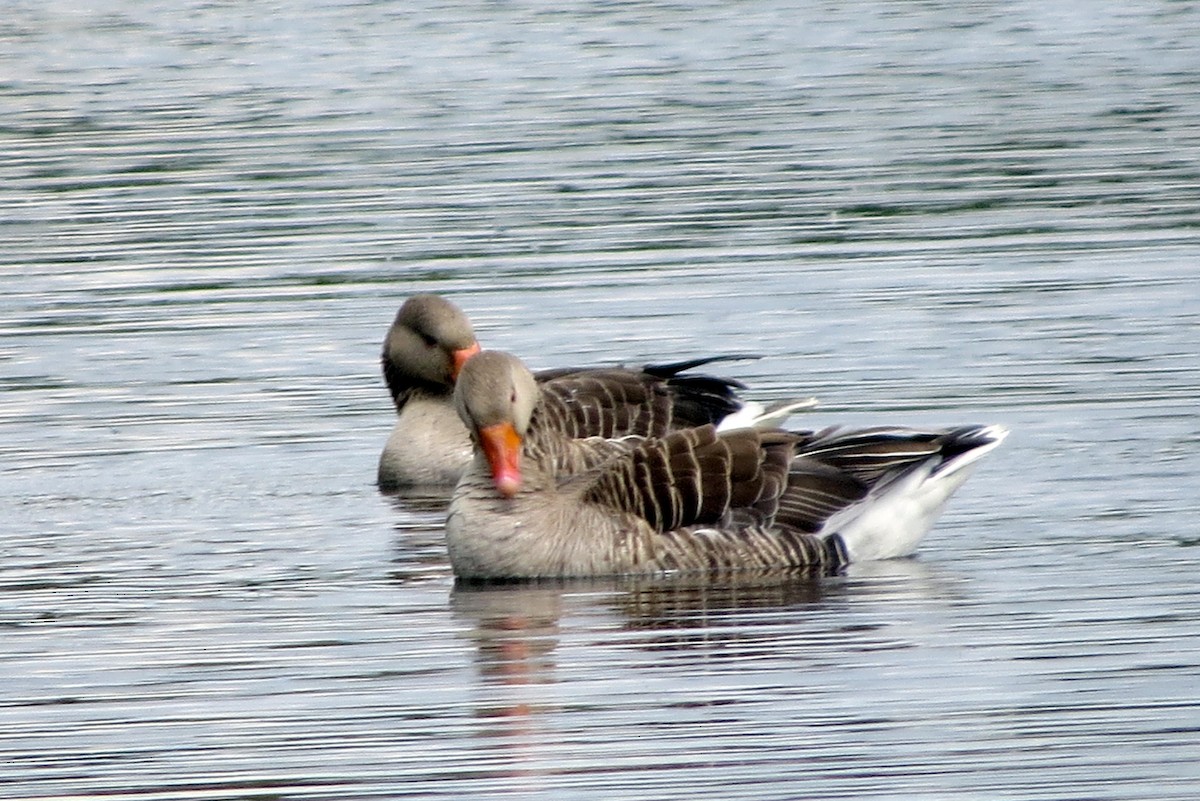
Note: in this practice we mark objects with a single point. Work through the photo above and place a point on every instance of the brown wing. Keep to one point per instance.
(617, 402)
(696, 477)
(604, 403)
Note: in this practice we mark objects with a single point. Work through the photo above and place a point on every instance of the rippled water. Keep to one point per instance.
(919, 212)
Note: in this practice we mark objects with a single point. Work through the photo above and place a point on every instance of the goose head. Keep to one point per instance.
(428, 344)
(495, 396)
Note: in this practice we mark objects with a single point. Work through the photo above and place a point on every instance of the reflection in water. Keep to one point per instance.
(516, 625)
(700, 602)
(420, 552)
(424, 501)
(516, 631)
(657, 652)
(754, 616)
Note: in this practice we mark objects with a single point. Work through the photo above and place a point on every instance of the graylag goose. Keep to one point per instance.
(535, 503)
(431, 339)
(425, 348)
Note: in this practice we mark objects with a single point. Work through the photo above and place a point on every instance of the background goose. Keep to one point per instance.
(425, 348)
(431, 339)
(537, 504)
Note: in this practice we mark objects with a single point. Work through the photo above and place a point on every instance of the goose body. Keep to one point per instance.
(535, 503)
(431, 339)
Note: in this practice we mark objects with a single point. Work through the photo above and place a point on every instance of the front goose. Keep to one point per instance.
(537, 504)
(431, 339)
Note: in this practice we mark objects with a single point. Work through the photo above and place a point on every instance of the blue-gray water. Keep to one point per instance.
(918, 212)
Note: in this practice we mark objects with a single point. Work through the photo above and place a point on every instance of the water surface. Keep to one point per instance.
(927, 214)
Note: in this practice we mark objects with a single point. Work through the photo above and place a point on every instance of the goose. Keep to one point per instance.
(537, 504)
(424, 350)
(431, 339)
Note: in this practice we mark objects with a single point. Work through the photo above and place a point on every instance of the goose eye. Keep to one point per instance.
(428, 340)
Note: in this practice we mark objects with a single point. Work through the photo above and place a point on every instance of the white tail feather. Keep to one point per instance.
(890, 522)
(757, 415)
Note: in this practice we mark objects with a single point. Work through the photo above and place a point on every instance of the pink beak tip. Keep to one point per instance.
(508, 484)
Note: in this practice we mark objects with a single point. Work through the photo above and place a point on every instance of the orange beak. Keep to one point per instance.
(502, 446)
(459, 358)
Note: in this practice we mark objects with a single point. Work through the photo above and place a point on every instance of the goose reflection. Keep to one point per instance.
(421, 501)
(420, 539)
(803, 620)
(517, 626)
(536, 643)
(515, 629)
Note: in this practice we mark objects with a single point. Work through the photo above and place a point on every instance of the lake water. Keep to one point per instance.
(923, 213)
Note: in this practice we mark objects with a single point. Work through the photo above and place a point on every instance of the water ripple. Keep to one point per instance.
(937, 213)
